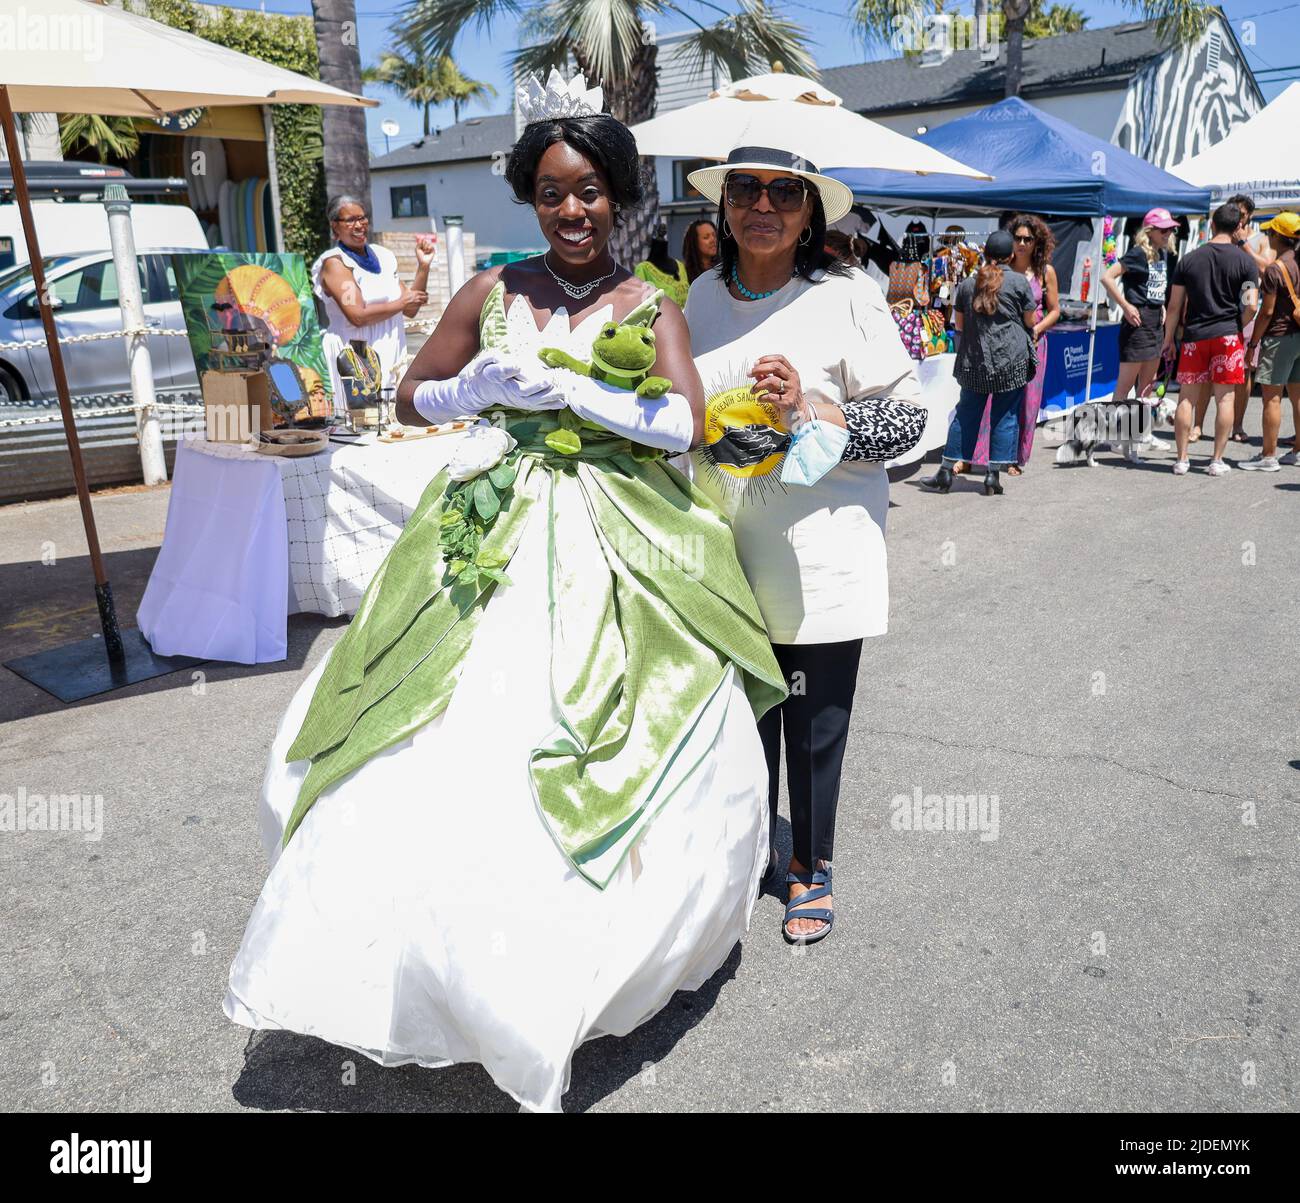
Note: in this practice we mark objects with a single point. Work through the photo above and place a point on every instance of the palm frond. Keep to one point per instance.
(608, 34)
(435, 24)
(750, 43)
(1180, 21)
(540, 56)
(104, 135)
(895, 23)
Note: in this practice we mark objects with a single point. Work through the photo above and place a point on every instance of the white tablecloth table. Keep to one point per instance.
(253, 538)
(939, 394)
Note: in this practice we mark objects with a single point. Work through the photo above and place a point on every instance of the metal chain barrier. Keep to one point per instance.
(146, 331)
(108, 411)
(420, 327)
(85, 402)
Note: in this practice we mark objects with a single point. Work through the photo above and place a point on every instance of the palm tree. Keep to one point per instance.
(1045, 21)
(347, 154)
(106, 136)
(459, 89)
(414, 80)
(424, 81)
(1180, 21)
(611, 42)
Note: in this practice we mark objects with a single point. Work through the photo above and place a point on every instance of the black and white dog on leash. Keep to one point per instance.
(1128, 426)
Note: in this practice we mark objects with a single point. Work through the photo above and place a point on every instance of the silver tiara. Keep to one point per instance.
(557, 98)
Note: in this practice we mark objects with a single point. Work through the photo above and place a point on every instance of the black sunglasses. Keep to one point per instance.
(786, 193)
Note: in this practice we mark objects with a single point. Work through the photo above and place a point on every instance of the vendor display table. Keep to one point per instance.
(253, 538)
(939, 395)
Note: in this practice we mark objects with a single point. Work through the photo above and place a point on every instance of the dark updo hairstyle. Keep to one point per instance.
(809, 257)
(606, 142)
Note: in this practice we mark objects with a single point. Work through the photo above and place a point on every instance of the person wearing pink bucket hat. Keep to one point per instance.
(1138, 282)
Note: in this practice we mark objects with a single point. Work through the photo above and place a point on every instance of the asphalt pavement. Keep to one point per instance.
(1109, 657)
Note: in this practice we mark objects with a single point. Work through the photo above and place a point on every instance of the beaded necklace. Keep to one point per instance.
(753, 296)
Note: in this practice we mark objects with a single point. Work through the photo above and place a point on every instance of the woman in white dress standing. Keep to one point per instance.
(523, 800)
(364, 298)
(789, 339)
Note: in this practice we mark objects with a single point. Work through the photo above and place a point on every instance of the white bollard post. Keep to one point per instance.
(122, 240)
(454, 228)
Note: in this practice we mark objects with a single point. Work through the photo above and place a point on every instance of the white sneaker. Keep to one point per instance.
(1218, 468)
(1259, 463)
(1291, 459)
(1182, 467)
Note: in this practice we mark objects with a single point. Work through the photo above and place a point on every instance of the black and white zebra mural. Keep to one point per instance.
(1187, 100)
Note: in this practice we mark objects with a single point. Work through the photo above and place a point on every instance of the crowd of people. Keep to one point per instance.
(1219, 319)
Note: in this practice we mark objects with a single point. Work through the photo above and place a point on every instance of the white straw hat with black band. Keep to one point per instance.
(837, 198)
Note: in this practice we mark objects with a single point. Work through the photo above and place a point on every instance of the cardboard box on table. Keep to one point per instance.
(236, 405)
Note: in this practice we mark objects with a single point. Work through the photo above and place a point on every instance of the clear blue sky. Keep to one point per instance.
(834, 42)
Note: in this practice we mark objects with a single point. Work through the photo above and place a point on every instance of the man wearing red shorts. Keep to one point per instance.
(1213, 294)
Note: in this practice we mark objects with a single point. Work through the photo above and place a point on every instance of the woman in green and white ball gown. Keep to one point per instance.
(524, 800)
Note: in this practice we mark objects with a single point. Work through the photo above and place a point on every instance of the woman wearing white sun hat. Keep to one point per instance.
(791, 343)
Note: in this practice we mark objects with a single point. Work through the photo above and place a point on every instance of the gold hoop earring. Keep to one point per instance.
(805, 241)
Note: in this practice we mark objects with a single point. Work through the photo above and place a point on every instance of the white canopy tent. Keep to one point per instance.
(77, 56)
(1258, 157)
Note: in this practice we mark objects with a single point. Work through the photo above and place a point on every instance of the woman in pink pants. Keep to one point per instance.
(1033, 257)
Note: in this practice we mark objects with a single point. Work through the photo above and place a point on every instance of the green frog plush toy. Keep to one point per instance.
(621, 356)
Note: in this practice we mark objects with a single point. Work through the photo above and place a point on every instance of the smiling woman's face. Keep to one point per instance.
(573, 203)
(351, 227)
(762, 231)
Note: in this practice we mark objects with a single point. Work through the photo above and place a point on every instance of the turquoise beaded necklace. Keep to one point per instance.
(746, 293)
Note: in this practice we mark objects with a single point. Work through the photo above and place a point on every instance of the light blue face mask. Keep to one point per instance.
(815, 448)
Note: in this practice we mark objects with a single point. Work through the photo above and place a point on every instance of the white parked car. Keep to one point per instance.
(83, 291)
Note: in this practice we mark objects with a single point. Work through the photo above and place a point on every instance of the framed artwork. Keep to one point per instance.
(245, 309)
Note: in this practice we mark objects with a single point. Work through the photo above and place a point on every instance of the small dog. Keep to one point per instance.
(1129, 425)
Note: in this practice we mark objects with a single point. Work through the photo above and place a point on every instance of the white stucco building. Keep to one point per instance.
(459, 171)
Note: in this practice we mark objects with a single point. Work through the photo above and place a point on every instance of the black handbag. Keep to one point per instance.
(881, 428)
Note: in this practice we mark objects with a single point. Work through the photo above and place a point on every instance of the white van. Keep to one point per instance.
(80, 228)
(71, 219)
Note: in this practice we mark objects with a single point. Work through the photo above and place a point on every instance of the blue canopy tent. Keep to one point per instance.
(1039, 163)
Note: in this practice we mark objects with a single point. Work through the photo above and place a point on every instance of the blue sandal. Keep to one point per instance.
(820, 881)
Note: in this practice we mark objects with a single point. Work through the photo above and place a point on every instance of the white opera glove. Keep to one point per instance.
(665, 423)
(516, 382)
(489, 380)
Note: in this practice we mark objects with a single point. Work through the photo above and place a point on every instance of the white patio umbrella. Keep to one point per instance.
(789, 112)
(76, 56)
(1258, 157)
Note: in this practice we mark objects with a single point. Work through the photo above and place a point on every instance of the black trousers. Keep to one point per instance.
(815, 718)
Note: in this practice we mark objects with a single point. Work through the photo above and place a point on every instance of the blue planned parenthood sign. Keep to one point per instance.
(1067, 365)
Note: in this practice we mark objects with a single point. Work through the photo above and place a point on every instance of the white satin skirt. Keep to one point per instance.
(423, 913)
